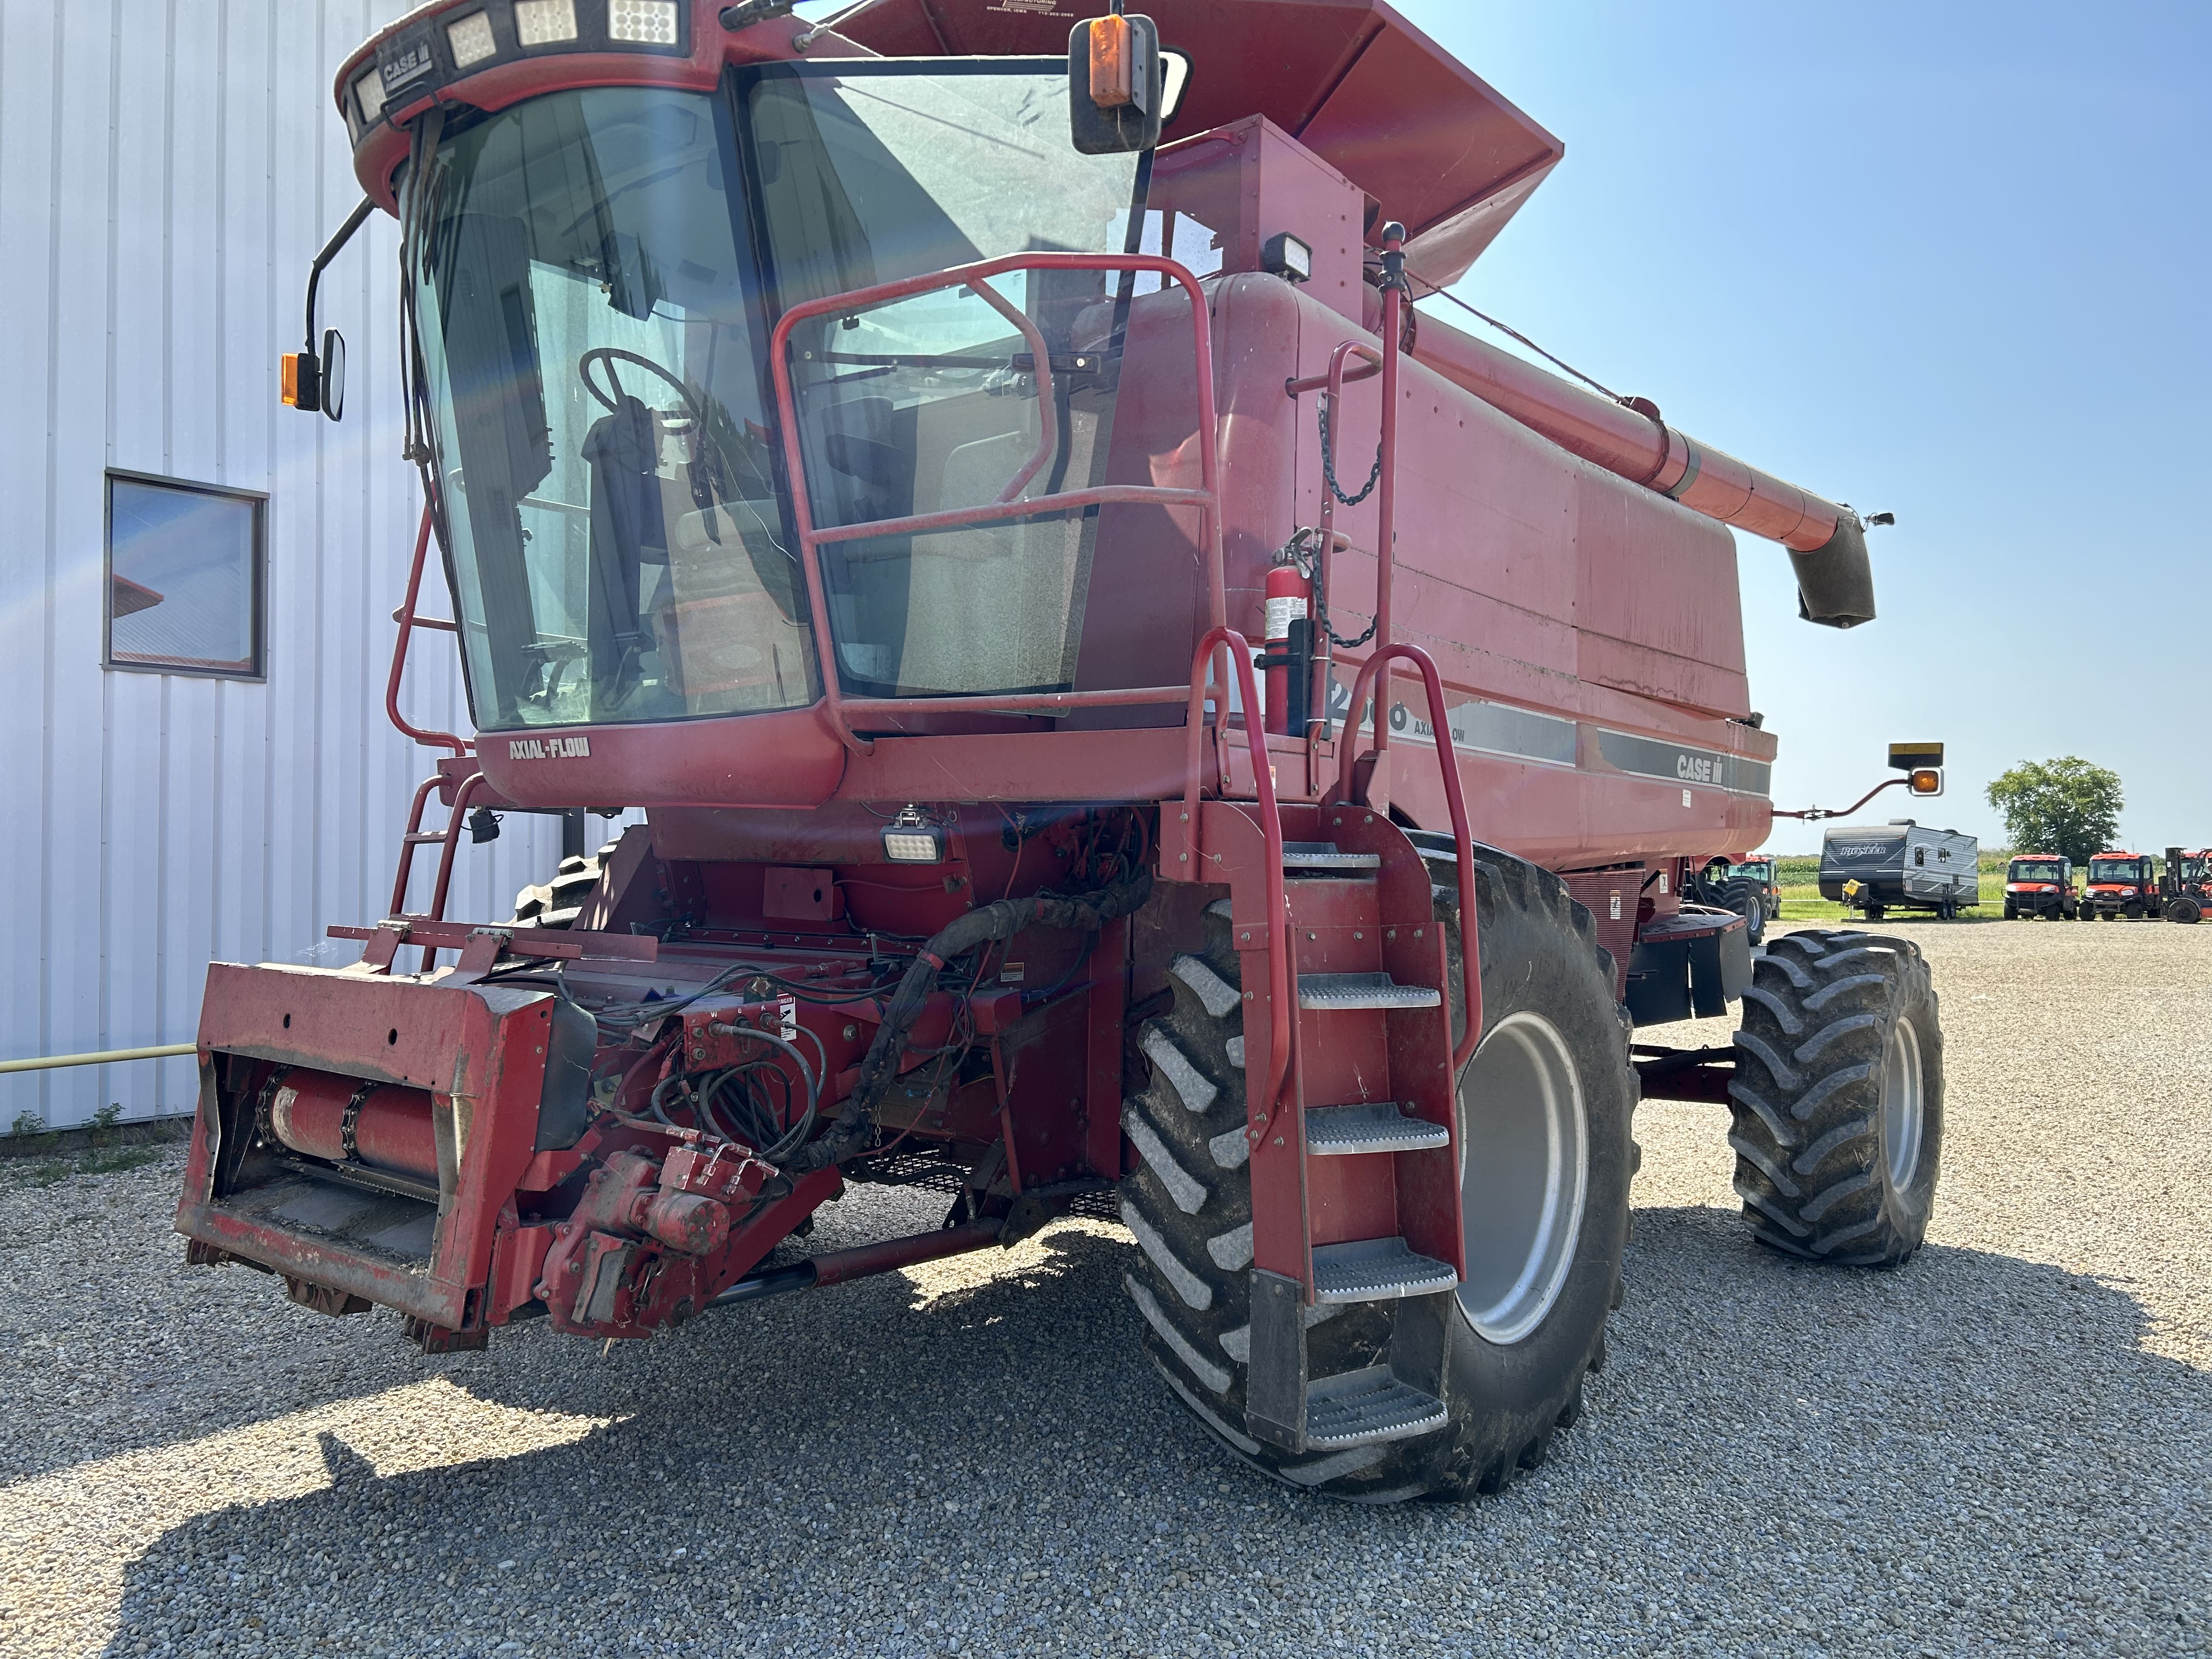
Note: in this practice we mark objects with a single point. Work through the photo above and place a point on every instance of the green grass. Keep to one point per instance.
(1799, 879)
(92, 1161)
(39, 1157)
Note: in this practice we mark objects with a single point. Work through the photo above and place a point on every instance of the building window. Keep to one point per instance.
(184, 583)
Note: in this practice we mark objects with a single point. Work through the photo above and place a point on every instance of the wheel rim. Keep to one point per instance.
(1902, 1103)
(1524, 1173)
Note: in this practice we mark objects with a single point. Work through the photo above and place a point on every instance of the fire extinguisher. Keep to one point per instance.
(1288, 658)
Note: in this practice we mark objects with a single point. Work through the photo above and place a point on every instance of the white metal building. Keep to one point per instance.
(167, 169)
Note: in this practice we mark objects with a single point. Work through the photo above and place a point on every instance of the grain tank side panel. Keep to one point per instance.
(1658, 610)
(1520, 569)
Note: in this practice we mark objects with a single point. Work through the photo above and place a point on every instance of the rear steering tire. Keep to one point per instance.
(1838, 1099)
(1553, 1069)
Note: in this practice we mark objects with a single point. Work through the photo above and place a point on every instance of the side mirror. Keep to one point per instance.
(1117, 96)
(333, 376)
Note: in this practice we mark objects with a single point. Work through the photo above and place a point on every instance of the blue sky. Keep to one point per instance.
(1946, 260)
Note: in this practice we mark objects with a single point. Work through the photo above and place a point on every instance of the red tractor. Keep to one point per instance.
(1129, 724)
(2121, 884)
(2041, 884)
(2186, 886)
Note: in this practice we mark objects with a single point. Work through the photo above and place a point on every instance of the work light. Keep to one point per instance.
(911, 839)
(472, 40)
(368, 94)
(647, 22)
(544, 22)
(1284, 255)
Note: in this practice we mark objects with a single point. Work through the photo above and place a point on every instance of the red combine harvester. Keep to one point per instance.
(1131, 722)
(2120, 884)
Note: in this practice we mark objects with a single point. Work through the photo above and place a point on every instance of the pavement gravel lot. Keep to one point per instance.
(2006, 1446)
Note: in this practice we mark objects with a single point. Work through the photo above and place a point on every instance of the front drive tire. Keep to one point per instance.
(1188, 1205)
(1839, 1098)
(558, 903)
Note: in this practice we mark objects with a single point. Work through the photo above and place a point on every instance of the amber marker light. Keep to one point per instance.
(1113, 63)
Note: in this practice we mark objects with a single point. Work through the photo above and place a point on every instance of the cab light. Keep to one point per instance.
(368, 94)
(544, 22)
(471, 41)
(644, 22)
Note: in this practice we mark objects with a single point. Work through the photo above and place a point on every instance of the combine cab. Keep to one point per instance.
(895, 458)
(2121, 884)
(2041, 884)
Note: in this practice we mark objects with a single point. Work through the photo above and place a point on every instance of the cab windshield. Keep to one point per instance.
(594, 274)
(2022, 870)
(2115, 870)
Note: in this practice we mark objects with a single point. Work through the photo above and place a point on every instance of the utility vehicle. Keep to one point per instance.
(2041, 884)
(2120, 883)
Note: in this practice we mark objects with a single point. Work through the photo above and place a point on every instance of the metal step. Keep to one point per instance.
(1323, 857)
(1376, 1270)
(1379, 1127)
(1358, 1408)
(1336, 991)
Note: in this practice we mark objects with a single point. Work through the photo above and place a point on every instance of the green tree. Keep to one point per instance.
(2064, 805)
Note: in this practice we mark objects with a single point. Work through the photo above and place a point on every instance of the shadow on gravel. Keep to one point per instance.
(1973, 1449)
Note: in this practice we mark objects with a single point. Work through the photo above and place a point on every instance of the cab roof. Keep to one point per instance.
(1436, 147)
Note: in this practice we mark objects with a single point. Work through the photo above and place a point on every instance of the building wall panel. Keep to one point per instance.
(168, 168)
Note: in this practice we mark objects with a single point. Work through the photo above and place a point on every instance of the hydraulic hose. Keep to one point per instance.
(1000, 919)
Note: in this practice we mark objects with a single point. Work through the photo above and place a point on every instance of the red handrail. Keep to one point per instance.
(1271, 826)
(1454, 797)
(974, 277)
(405, 617)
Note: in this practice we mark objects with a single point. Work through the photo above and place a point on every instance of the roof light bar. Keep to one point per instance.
(420, 57)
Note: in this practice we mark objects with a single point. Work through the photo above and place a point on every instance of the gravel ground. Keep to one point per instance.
(2004, 1447)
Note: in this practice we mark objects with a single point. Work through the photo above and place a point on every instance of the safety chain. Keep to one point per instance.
(1328, 460)
(1299, 548)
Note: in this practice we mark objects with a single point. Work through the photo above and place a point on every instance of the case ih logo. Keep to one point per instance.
(1695, 769)
(547, 748)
